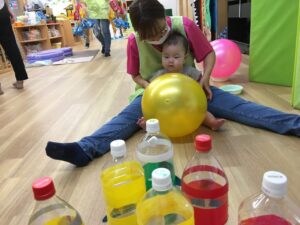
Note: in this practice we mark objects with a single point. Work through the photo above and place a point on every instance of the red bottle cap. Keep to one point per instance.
(43, 188)
(202, 143)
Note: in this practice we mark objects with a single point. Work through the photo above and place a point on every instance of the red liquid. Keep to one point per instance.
(265, 220)
(216, 211)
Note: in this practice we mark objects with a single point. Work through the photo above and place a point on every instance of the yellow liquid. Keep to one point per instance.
(171, 208)
(64, 220)
(123, 186)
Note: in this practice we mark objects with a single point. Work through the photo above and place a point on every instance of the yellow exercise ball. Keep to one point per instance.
(177, 101)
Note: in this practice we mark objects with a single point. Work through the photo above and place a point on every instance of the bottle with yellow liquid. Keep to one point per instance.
(123, 185)
(164, 204)
(50, 209)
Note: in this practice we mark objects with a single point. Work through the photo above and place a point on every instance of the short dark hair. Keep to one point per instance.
(175, 38)
(144, 16)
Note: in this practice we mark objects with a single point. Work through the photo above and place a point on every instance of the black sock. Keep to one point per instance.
(69, 152)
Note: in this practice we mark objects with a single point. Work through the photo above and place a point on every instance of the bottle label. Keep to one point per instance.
(207, 188)
(265, 220)
(123, 211)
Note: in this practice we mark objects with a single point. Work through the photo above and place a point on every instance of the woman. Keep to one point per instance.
(9, 44)
(144, 55)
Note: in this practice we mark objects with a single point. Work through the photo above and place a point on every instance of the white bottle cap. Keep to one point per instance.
(274, 184)
(161, 179)
(152, 126)
(118, 148)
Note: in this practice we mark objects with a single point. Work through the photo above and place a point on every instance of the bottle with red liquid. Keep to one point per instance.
(271, 206)
(204, 182)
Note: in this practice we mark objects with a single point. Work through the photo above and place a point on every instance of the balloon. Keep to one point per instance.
(177, 101)
(228, 59)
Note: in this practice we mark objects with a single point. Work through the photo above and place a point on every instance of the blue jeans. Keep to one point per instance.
(223, 105)
(102, 33)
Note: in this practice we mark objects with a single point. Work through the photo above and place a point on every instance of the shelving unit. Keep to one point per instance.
(40, 37)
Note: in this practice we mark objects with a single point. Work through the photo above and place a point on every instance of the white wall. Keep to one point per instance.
(171, 4)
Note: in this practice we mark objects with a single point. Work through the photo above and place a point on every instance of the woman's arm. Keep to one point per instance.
(140, 81)
(209, 62)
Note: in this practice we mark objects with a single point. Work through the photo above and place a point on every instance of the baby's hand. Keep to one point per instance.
(142, 123)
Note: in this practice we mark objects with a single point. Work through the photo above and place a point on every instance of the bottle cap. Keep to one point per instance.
(161, 179)
(274, 184)
(43, 188)
(152, 126)
(202, 143)
(118, 148)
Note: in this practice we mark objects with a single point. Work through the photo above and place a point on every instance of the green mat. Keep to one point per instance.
(296, 80)
(274, 51)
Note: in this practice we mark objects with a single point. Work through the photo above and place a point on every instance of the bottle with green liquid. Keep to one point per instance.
(51, 209)
(154, 151)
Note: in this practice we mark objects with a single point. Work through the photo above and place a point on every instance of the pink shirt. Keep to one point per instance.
(199, 46)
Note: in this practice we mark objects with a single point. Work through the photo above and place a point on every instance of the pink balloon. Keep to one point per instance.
(228, 59)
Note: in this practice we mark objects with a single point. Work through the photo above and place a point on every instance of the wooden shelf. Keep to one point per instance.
(36, 40)
(55, 37)
(45, 41)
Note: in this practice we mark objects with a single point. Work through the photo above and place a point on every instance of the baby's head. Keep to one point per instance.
(174, 51)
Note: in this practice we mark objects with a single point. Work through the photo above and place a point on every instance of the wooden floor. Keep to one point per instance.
(63, 103)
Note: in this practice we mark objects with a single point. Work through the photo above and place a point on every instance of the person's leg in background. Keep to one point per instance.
(104, 24)
(86, 38)
(232, 107)
(80, 153)
(98, 33)
(9, 44)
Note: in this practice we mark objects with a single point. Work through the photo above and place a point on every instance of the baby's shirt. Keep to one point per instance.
(187, 70)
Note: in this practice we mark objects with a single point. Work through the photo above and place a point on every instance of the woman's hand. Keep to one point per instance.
(204, 82)
(12, 16)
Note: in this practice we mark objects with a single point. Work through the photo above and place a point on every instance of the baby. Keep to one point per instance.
(174, 53)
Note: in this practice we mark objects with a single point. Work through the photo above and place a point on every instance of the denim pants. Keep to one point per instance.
(102, 33)
(223, 105)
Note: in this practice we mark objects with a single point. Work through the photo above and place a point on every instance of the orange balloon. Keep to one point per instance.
(177, 101)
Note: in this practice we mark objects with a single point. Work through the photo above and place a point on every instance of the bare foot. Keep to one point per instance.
(18, 84)
(1, 92)
(142, 123)
(216, 124)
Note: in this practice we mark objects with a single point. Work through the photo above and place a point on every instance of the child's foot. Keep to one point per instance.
(18, 84)
(216, 124)
(1, 92)
(142, 123)
(69, 152)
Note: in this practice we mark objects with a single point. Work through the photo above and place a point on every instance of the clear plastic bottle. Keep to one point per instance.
(204, 182)
(271, 206)
(154, 151)
(123, 185)
(164, 204)
(49, 208)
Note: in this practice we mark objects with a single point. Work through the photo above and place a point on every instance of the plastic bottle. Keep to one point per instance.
(154, 151)
(205, 184)
(271, 206)
(49, 208)
(164, 204)
(123, 185)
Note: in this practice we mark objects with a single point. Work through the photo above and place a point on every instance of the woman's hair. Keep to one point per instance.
(144, 16)
(176, 38)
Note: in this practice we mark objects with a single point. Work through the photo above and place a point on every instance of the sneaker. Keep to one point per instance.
(87, 45)
(106, 54)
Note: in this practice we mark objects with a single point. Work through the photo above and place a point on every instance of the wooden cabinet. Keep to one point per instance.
(40, 37)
